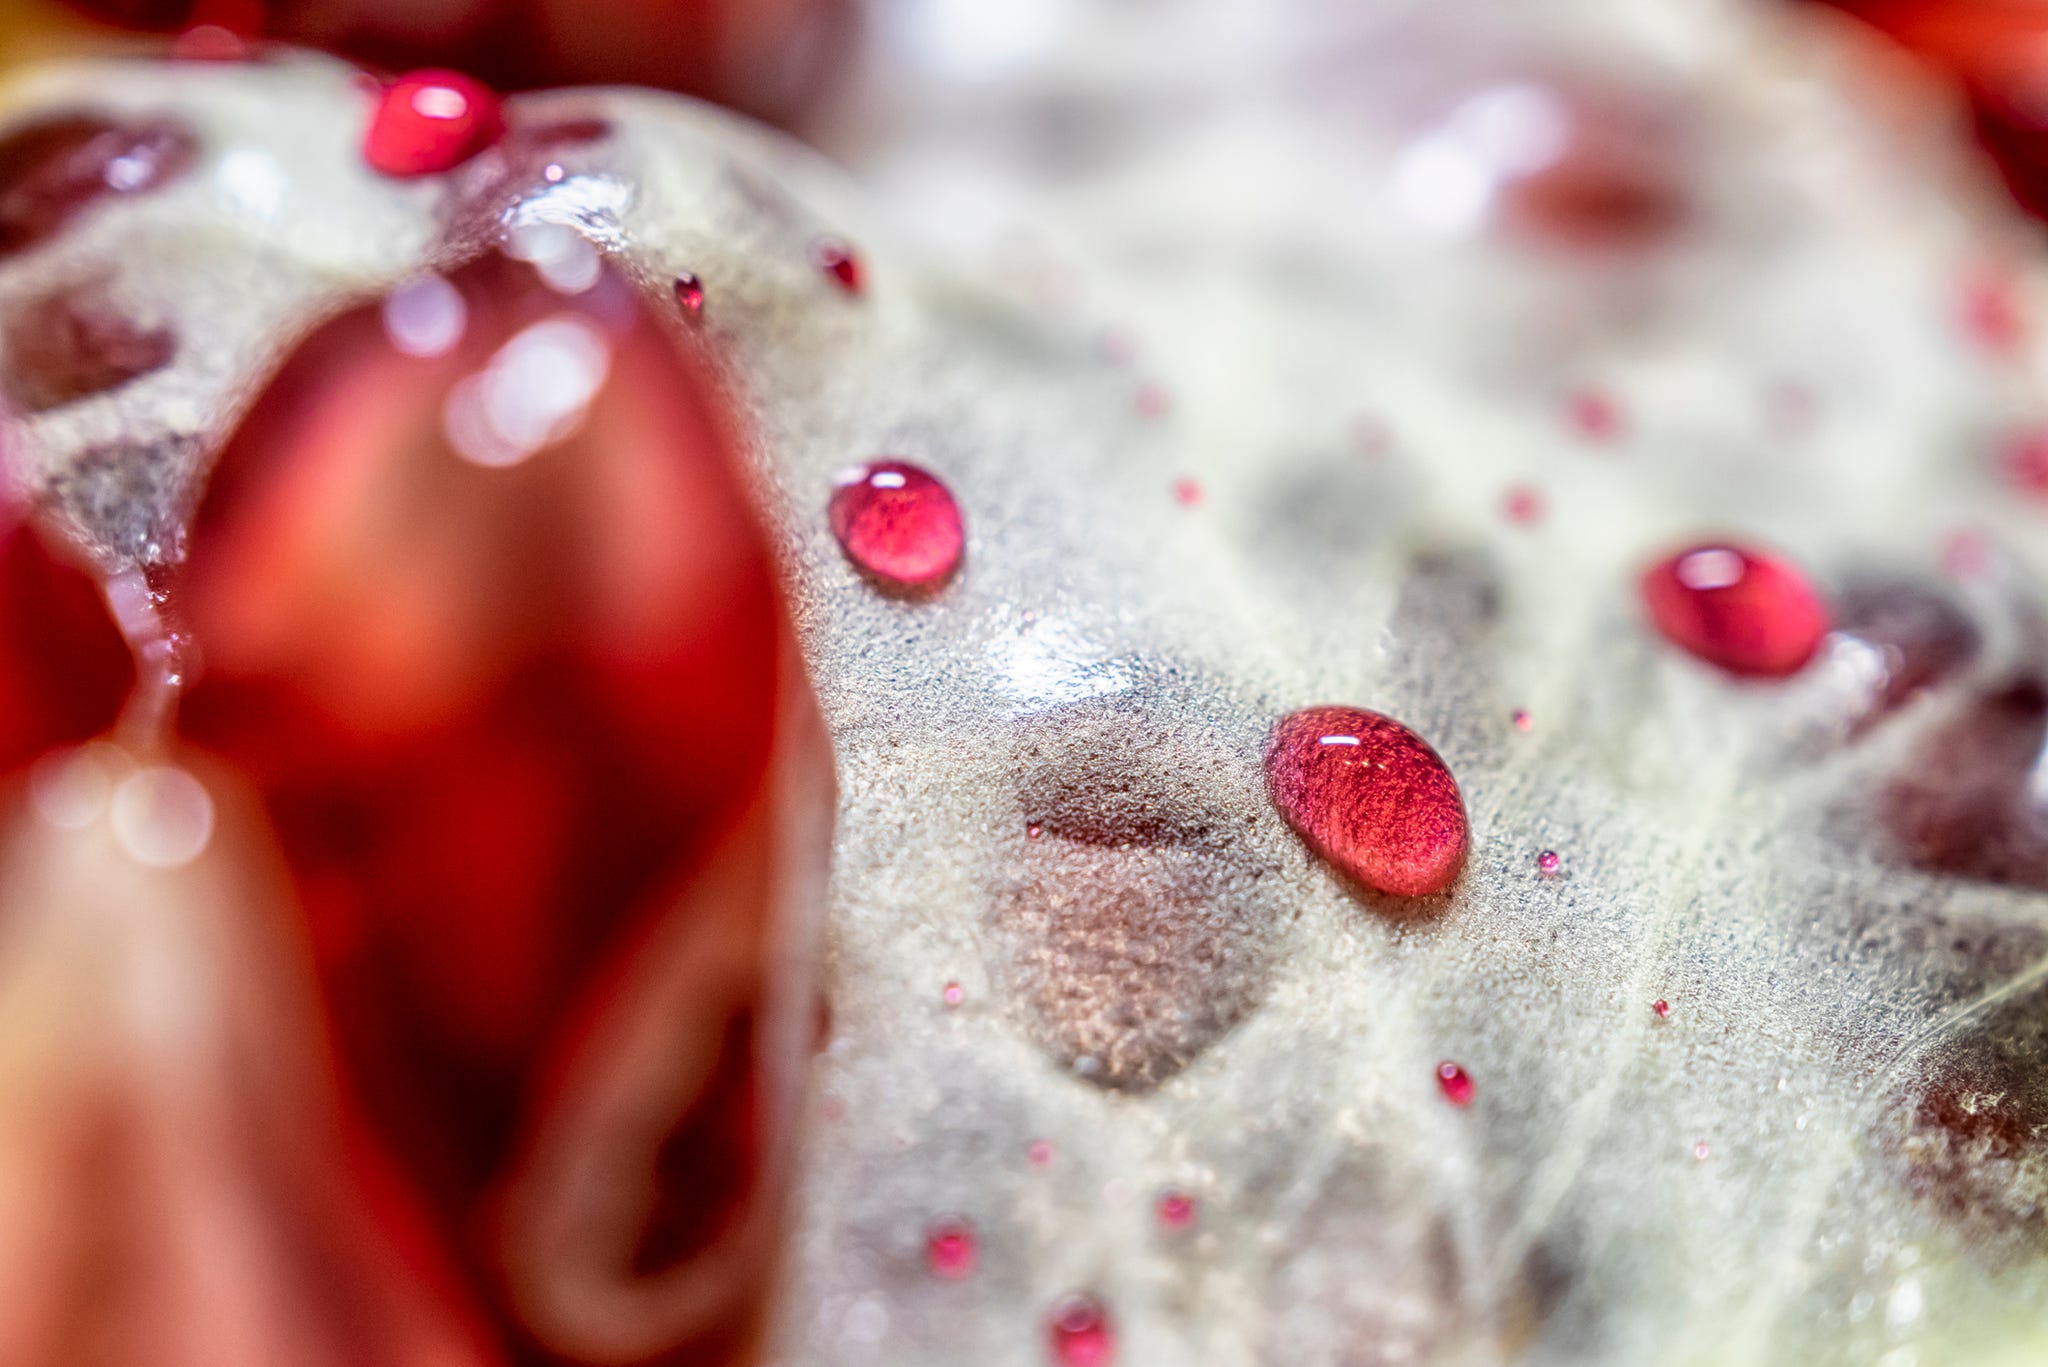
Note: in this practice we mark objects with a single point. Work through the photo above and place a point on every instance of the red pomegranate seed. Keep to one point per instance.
(1748, 612)
(1080, 1333)
(1370, 796)
(431, 121)
(898, 523)
(65, 669)
(496, 697)
(951, 1250)
(51, 169)
(1454, 1083)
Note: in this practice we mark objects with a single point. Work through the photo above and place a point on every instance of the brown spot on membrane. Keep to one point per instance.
(70, 344)
(1137, 928)
(1972, 799)
(1968, 1136)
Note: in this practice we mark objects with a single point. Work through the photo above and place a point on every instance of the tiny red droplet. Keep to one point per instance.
(1523, 721)
(1992, 315)
(1661, 1007)
(1033, 831)
(1080, 1333)
(1547, 861)
(1594, 415)
(1187, 493)
(1040, 1153)
(1151, 400)
(431, 121)
(1176, 1210)
(1748, 612)
(897, 522)
(953, 994)
(690, 293)
(1455, 1083)
(52, 169)
(951, 1250)
(1370, 796)
(2023, 463)
(1522, 505)
(837, 260)
(1701, 1151)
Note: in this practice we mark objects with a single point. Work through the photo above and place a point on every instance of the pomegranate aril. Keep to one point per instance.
(898, 523)
(497, 712)
(1746, 611)
(428, 122)
(1370, 796)
(51, 169)
(65, 669)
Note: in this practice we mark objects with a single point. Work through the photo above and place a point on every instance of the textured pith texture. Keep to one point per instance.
(1050, 770)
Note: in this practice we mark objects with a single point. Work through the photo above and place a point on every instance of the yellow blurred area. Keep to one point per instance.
(40, 28)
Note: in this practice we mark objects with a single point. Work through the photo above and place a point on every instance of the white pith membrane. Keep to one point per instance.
(1163, 984)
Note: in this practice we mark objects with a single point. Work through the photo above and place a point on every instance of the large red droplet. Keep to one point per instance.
(1746, 611)
(1080, 1333)
(1370, 796)
(65, 669)
(898, 523)
(431, 121)
(838, 262)
(51, 169)
(496, 636)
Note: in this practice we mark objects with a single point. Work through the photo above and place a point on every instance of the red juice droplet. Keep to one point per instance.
(1151, 400)
(1040, 1153)
(1370, 796)
(431, 121)
(1661, 1007)
(1523, 721)
(1176, 1211)
(1187, 493)
(1455, 1083)
(953, 994)
(2022, 463)
(951, 1250)
(1748, 612)
(898, 523)
(1594, 415)
(1080, 1335)
(1522, 506)
(838, 262)
(690, 293)
(1547, 861)
(53, 168)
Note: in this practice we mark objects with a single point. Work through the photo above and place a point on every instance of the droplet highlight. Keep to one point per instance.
(951, 1250)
